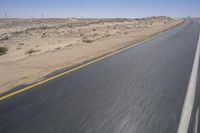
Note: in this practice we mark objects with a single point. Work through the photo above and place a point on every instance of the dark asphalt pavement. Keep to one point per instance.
(140, 90)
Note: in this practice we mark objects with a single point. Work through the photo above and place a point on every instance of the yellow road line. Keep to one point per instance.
(74, 69)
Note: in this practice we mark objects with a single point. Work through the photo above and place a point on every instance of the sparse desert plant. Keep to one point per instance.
(57, 48)
(81, 35)
(69, 45)
(3, 50)
(93, 29)
(107, 35)
(21, 44)
(31, 51)
(5, 38)
(95, 34)
(16, 33)
(43, 28)
(118, 32)
(126, 32)
(26, 32)
(70, 26)
(43, 35)
(87, 40)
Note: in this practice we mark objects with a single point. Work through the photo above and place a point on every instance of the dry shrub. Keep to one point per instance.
(125, 32)
(3, 50)
(87, 40)
(5, 38)
(21, 44)
(44, 35)
(57, 48)
(81, 35)
(31, 51)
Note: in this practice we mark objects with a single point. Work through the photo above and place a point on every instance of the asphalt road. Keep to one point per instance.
(140, 90)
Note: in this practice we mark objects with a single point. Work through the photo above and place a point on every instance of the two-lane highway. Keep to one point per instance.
(139, 90)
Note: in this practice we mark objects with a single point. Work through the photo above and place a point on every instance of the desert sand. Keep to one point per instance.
(38, 47)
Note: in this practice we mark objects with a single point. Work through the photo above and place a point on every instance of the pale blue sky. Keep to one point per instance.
(99, 8)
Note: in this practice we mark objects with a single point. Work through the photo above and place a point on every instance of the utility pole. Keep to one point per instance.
(5, 15)
(42, 15)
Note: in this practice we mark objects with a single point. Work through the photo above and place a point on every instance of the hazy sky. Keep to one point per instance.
(99, 8)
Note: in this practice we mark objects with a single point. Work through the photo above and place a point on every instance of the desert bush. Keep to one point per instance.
(3, 50)
(118, 32)
(21, 44)
(125, 32)
(44, 35)
(57, 48)
(81, 35)
(107, 35)
(43, 28)
(95, 34)
(93, 29)
(5, 38)
(87, 40)
(31, 51)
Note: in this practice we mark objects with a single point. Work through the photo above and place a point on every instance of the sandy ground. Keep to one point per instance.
(37, 47)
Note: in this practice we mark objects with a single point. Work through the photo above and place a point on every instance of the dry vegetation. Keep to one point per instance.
(3, 50)
(59, 43)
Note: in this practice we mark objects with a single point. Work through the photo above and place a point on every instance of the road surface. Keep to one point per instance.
(139, 90)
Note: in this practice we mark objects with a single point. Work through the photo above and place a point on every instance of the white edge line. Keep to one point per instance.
(190, 95)
(196, 121)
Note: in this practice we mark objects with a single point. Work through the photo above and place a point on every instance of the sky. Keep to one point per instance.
(98, 8)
